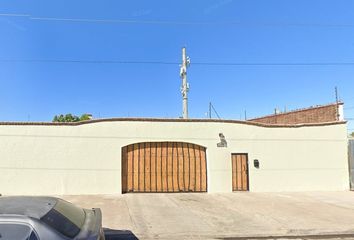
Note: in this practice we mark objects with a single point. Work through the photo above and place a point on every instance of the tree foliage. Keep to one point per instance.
(85, 117)
(71, 118)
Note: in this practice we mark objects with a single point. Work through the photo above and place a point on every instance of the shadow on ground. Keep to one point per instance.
(111, 234)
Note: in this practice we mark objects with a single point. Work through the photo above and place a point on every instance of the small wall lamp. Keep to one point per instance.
(256, 163)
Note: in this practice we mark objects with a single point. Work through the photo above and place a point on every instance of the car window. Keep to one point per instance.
(12, 231)
(65, 218)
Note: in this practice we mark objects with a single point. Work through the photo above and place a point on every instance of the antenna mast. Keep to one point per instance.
(337, 103)
(185, 84)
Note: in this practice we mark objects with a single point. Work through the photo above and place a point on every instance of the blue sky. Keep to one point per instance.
(268, 31)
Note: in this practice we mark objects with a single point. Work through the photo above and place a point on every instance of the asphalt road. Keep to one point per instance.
(309, 215)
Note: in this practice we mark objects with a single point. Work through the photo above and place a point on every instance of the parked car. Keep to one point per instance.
(47, 218)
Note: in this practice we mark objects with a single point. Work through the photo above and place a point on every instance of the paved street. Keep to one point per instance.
(241, 215)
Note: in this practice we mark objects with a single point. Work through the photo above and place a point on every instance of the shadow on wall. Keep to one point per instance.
(111, 234)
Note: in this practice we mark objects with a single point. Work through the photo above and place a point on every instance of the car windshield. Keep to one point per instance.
(65, 218)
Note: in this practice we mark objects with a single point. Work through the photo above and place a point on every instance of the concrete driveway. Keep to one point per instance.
(225, 216)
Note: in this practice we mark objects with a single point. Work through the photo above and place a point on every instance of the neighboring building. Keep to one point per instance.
(114, 156)
(316, 114)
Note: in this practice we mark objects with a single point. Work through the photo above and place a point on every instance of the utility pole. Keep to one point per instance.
(185, 84)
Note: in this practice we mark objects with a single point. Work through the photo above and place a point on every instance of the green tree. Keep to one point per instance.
(55, 119)
(85, 117)
(71, 118)
(61, 118)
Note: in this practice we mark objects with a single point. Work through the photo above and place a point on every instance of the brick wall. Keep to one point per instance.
(316, 114)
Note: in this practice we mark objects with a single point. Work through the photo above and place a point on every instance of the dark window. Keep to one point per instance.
(65, 218)
(33, 236)
(13, 231)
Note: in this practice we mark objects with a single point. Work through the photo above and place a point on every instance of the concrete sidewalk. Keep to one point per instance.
(226, 216)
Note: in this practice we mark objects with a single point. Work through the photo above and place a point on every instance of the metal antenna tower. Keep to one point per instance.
(185, 84)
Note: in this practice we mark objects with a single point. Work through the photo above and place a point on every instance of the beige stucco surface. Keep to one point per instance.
(86, 159)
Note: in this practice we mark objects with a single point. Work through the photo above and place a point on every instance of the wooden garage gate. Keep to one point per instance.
(240, 172)
(164, 167)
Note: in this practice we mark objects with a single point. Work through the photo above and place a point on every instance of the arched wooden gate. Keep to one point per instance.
(164, 167)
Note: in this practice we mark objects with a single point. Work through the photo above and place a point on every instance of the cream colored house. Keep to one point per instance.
(115, 156)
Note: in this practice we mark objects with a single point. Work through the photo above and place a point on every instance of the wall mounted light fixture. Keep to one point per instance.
(256, 163)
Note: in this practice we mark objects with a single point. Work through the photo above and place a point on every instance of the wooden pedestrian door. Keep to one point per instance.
(164, 167)
(240, 172)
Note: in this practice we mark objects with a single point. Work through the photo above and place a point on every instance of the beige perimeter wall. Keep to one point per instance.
(86, 159)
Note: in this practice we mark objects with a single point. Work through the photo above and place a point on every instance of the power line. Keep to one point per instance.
(276, 64)
(249, 24)
(349, 98)
(165, 22)
(14, 15)
(86, 61)
(177, 63)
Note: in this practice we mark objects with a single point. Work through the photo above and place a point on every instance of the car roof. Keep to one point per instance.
(33, 207)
